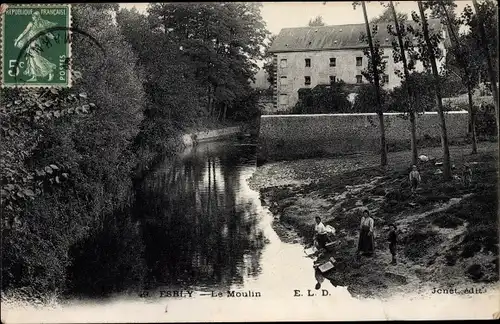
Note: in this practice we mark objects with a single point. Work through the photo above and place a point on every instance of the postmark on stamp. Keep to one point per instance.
(36, 46)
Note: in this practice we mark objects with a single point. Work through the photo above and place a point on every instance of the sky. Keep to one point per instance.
(278, 15)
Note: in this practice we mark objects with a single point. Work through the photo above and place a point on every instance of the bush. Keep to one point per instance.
(470, 248)
(323, 99)
(366, 100)
(447, 221)
(485, 121)
(418, 243)
(421, 83)
(475, 271)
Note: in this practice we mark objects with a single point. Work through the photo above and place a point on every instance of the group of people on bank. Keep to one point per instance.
(366, 242)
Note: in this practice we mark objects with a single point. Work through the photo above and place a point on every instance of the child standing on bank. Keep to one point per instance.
(392, 242)
(414, 178)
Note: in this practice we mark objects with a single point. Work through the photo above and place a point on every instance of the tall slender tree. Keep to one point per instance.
(431, 57)
(376, 81)
(411, 110)
(462, 59)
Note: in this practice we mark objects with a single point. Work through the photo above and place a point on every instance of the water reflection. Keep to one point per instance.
(200, 227)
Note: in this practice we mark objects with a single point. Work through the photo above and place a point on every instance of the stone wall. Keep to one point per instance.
(289, 136)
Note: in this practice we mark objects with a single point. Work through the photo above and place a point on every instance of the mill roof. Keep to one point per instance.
(334, 37)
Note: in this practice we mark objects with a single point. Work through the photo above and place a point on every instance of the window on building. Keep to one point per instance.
(283, 63)
(283, 82)
(359, 61)
(333, 61)
(307, 80)
(385, 78)
(359, 79)
(283, 99)
(332, 79)
(308, 62)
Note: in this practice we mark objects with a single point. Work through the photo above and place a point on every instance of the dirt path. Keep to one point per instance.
(447, 232)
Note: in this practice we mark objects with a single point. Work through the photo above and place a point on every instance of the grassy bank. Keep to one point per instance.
(447, 231)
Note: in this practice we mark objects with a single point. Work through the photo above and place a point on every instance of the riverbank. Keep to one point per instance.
(447, 231)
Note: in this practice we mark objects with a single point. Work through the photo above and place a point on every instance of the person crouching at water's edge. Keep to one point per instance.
(366, 244)
(321, 234)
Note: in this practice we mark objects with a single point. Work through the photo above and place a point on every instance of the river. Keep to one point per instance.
(204, 228)
(205, 233)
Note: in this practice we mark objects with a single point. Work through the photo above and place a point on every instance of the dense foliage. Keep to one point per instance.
(68, 156)
(323, 99)
(198, 60)
(365, 101)
(316, 22)
(268, 61)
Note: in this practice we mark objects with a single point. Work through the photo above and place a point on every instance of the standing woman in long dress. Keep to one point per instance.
(366, 244)
(36, 65)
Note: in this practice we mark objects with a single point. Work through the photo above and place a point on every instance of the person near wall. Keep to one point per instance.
(366, 244)
(321, 233)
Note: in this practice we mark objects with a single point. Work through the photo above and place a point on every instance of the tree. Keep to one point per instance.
(400, 54)
(483, 15)
(387, 17)
(428, 54)
(376, 66)
(461, 57)
(316, 22)
(211, 47)
(269, 61)
(224, 41)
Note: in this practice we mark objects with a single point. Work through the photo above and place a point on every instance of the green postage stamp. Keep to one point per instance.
(36, 45)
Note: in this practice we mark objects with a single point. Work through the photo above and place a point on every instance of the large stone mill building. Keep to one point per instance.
(308, 56)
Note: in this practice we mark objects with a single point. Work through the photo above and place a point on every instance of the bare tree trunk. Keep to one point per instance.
(219, 114)
(413, 128)
(472, 119)
(210, 99)
(467, 77)
(383, 145)
(491, 71)
(439, 101)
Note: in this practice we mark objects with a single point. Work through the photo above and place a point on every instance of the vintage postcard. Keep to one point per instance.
(35, 45)
(249, 161)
